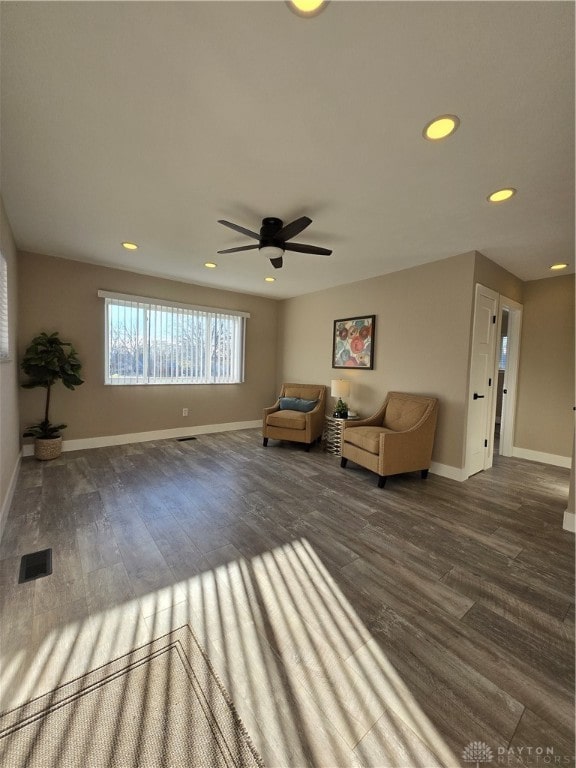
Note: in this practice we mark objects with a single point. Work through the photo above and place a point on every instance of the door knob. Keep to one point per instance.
(477, 396)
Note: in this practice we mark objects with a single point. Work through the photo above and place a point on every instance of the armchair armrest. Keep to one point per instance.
(317, 412)
(315, 416)
(272, 409)
(371, 421)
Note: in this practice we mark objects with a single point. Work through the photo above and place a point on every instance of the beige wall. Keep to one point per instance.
(61, 295)
(423, 318)
(493, 276)
(423, 326)
(544, 417)
(9, 430)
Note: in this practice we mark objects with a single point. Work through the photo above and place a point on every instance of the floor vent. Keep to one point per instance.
(35, 565)
(183, 439)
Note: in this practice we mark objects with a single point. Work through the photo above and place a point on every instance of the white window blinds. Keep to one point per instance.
(4, 337)
(149, 341)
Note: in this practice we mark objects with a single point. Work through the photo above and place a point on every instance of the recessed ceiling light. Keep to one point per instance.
(501, 194)
(441, 127)
(558, 266)
(129, 246)
(270, 279)
(210, 265)
(307, 7)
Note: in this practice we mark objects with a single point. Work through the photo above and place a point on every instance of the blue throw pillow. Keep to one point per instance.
(297, 404)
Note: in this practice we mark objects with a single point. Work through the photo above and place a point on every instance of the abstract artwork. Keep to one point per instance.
(353, 342)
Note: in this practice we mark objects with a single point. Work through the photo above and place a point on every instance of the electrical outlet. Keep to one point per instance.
(184, 411)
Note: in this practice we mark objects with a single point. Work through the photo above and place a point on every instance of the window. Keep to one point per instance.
(151, 341)
(503, 352)
(4, 337)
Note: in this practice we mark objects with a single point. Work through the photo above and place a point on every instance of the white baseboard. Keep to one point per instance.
(143, 437)
(446, 470)
(4, 509)
(569, 521)
(544, 458)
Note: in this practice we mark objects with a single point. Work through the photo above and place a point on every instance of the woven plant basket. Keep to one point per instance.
(44, 450)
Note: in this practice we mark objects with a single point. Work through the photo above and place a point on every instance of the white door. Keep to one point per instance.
(480, 419)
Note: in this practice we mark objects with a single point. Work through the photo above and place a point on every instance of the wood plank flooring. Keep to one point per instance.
(353, 626)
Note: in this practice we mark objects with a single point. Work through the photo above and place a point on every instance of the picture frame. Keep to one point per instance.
(353, 342)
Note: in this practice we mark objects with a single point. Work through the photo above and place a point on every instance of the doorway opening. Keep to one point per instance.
(502, 354)
(506, 375)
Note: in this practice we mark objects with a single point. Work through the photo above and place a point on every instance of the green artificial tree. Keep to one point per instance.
(341, 411)
(46, 361)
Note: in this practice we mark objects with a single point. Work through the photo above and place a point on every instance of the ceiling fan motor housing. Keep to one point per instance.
(269, 229)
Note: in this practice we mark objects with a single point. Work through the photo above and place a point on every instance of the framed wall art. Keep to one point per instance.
(353, 342)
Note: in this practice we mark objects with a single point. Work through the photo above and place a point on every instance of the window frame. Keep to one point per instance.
(154, 308)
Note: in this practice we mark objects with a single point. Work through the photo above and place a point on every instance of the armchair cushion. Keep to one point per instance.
(297, 404)
(367, 438)
(287, 420)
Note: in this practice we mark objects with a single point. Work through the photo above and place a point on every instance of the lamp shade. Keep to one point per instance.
(340, 388)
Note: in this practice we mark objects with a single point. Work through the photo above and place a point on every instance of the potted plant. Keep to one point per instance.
(47, 360)
(341, 411)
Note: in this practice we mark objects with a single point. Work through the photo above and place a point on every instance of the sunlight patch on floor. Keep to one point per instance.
(310, 683)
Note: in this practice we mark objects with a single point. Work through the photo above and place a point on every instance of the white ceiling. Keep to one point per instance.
(150, 121)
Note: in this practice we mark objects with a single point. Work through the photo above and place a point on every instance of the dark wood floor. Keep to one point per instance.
(352, 625)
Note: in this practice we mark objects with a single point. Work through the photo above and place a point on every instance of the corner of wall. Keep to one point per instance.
(495, 277)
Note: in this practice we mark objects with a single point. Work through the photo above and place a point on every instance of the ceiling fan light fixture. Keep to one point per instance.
(271, 251)
(307, 8)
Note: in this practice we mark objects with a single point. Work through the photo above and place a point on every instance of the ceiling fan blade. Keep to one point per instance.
(303, 248)
(238, 228)
(294, 228)
(241, 248)
(277, 262)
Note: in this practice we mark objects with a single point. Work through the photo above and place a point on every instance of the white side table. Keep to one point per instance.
(332, 437)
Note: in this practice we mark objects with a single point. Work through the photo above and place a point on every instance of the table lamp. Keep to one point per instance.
(340, 388)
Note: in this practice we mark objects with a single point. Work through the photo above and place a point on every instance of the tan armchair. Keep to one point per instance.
(398, 438)
(294, 425)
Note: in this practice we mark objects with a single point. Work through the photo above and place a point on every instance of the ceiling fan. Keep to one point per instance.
(273, 237)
